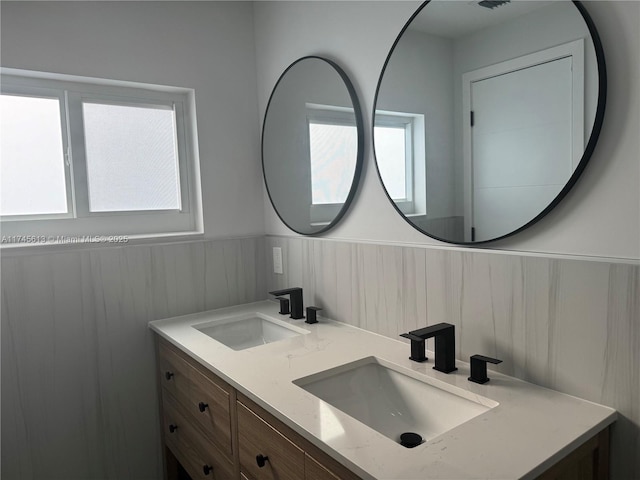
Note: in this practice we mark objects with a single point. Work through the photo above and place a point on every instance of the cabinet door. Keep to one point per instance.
(284, 460)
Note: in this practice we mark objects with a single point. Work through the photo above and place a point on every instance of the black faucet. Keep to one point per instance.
(445, 339)
(295, 295)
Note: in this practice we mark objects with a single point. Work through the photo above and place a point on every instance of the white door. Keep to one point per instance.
(525, 142)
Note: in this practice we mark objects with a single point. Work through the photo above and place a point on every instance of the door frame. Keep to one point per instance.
(575, 50)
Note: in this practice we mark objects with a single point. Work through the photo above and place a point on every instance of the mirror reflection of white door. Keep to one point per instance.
(527, 124)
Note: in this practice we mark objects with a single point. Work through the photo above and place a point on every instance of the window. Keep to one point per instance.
(34, 177)
(395, 142)
(132, 160)
(82, 157)
(333, 153)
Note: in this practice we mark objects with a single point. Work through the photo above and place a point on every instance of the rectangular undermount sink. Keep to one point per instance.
(393, 400)
(248, 330)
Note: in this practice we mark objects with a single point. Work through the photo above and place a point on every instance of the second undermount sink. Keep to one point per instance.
(393, 400)
(248, 330)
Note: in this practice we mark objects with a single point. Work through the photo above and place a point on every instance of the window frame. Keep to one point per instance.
(408, 124)
(80, 221)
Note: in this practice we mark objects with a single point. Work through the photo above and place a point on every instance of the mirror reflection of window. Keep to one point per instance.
(333, 148)
(392, 160)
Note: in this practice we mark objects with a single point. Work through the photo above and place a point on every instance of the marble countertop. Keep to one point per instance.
(530, 429)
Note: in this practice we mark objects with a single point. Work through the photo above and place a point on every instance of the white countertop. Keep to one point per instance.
(530, 430)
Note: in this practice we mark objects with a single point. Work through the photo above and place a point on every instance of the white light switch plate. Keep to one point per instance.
(277, 260)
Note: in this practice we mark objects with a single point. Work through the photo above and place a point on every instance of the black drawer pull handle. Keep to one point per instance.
(207, 469)
(203, 406)
(168, 375)
(173, 428)
(261, 460)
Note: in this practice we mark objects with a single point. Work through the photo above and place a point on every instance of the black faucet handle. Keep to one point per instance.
(479, 368)
(284, 305)
(418, 353)
(311, 314)
(412, 337)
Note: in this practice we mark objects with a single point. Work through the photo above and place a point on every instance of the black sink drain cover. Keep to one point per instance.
(410, 439)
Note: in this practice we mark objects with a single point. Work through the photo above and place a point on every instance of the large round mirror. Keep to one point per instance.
(486, 113)
(312, 145)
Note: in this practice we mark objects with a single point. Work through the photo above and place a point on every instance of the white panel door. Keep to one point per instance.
(521, 144)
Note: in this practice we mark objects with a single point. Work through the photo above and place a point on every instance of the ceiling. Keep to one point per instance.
(458, 18)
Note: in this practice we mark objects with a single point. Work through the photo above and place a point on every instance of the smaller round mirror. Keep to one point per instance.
(312, 145)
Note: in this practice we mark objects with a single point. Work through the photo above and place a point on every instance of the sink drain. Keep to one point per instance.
(410, 439)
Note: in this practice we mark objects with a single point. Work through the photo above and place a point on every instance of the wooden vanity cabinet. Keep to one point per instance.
(212, 436)
(198, 417)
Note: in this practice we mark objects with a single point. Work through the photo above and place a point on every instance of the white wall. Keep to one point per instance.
(207, 46)
(599, 217)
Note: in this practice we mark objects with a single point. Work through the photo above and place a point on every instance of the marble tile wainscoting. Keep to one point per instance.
(572, 325)
(79, 398)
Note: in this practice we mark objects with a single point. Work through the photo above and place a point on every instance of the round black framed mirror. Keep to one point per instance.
(312, 145)
(486, 113)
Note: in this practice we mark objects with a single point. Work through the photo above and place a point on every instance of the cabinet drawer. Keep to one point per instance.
(316, 471)
(205, 401)
(174, 372)
(210, 407)
(317, 464)
(256, 437)
(195, 452)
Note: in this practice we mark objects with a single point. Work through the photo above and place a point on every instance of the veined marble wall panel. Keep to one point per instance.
(572, 325)
(79, 398)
